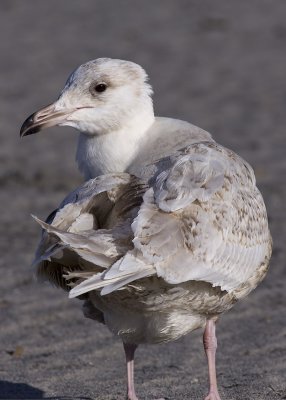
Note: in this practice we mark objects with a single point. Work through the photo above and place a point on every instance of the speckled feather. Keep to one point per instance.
(168, 231)
(200, 219)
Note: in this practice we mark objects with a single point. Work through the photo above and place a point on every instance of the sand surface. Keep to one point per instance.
(220, 64)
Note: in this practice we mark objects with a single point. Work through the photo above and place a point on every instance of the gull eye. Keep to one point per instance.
(98, 88)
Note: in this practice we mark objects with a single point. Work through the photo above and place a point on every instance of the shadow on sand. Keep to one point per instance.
(22, 391)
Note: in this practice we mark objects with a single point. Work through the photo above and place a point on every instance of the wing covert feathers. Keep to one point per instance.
(198, 217)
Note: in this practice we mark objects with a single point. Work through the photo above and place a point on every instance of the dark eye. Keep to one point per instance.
(98, 87)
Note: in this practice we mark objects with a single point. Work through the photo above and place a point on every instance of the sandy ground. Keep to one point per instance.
(220, 64)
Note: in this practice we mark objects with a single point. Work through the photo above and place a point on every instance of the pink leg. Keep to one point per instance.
(210, 345)
(129, 353)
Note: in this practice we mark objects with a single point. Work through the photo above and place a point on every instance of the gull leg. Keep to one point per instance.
(210, 345)
(129, 354)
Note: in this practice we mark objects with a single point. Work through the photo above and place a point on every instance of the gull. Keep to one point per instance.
(168, 231)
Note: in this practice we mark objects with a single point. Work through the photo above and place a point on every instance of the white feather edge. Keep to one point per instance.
(109, 285)
(86, 248)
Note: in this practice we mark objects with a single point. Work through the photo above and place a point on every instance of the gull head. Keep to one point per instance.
(100, 96)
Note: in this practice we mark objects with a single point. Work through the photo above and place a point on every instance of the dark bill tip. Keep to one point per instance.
(29, 127)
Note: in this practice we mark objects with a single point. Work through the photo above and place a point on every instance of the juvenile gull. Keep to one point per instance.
(168, 231)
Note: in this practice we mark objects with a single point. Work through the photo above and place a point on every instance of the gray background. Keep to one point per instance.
(219, 64)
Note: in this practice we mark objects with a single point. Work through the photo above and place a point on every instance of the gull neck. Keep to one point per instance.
(113, 151)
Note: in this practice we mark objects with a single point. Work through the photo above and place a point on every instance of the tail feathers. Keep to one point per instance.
(129, 264)
(68, 275)
(95, 258)
(111, 282)
(109, 285)
(46, 256)
(73, 239)
(100, 249)
(148, 271)
(108, 249)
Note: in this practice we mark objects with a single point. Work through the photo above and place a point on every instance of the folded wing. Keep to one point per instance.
(204, 219)
(199, 217)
